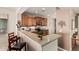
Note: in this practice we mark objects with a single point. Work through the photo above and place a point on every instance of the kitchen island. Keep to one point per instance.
(48, 42)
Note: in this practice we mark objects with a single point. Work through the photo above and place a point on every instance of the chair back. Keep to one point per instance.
(11, 39)
(74, 35)
(10, 35)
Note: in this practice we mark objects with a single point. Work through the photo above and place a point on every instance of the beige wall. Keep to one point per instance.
(65, 14)
(50, 23)
(11, 16)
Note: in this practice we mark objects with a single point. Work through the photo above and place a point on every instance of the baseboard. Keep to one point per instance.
(61, 49)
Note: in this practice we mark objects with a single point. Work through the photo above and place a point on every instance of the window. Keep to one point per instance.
(3, 25)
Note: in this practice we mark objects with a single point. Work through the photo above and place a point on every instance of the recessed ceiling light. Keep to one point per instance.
(57, 8)
(43, 9)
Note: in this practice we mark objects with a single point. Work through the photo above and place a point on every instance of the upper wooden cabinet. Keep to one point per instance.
(24, 21)
(30, 20)
(45, 21)
(33, 21)
(38, 20)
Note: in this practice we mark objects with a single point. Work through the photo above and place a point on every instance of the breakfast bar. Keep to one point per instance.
(48, 42)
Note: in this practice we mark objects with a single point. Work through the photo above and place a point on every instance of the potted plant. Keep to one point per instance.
(40, 33)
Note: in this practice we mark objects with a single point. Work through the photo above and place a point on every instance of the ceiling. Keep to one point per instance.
(9, 8)
(48, 10)
(40, 11)
(75, 9)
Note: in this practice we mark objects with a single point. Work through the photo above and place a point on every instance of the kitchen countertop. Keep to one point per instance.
(45, 39)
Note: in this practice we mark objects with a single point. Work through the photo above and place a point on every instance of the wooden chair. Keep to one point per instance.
(74, 40)
(14, 42)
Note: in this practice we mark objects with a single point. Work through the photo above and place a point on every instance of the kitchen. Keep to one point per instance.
(33, 29)
(32, 23)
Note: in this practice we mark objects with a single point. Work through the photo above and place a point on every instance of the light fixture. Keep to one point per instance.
(43, 9)
(57, 8)
(62, 23)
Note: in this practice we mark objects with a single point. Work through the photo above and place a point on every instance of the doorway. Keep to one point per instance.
(75, 42)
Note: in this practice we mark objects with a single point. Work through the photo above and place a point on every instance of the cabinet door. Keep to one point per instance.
(39, 21)
(30, 21)
(24, 20)
(44, 22)
(34, 22)
(45, 32)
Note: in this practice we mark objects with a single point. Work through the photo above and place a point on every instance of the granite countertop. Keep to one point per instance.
(49, 38)
(45, 40)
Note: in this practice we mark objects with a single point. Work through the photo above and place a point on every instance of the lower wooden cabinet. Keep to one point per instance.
(45, 32)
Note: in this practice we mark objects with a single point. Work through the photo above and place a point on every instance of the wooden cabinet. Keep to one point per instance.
(29, 21)
(44, 22)
(41, 21)
(33, 21)
(45, 32)
(38, 20)
(24, 21)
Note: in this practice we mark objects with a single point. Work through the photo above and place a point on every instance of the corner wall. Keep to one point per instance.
(11, 16)
(65, 14)
(50, 23)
